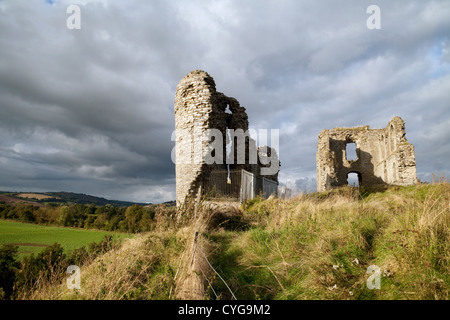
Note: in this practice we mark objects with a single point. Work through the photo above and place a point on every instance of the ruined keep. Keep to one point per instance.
(199, 108)
(384, 156)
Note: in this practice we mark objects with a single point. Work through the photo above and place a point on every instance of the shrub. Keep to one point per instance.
(8, 268)
(48, 265)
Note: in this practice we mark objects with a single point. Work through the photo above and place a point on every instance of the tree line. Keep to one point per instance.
(133, 219)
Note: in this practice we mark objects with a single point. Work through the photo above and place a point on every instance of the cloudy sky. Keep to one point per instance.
(91, 110)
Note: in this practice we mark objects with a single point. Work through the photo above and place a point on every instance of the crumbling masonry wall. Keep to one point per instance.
(384, 156)
(199, 107)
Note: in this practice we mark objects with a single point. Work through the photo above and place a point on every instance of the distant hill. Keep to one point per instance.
(6, 198)
(40, 198)
(87, 199)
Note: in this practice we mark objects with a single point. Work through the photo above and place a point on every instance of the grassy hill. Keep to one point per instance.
(320, 246)
(316, 246)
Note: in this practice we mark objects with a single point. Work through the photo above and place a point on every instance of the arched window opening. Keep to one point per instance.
(354, 179)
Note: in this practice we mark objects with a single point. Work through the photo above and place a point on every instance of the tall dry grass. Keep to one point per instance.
(194, 274)
(319, 246)
(167, 263)
(315, 246)
(142, 268)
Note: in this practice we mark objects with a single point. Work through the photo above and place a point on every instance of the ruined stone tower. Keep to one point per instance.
(199, 108)
(384, 156)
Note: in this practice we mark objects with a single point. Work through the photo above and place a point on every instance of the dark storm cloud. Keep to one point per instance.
(91, 110)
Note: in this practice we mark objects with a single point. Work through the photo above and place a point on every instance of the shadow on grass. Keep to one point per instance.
(247, 283)
(367, 191)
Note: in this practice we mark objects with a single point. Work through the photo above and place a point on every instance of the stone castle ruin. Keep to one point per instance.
(383, 156)
(207, 123)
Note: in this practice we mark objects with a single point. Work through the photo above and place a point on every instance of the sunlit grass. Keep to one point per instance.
(319, 246)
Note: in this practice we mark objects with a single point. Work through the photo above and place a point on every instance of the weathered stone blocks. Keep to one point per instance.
(199, 108)
(384, 156)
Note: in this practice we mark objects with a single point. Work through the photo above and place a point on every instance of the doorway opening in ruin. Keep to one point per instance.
(350, 152)
(354, 179)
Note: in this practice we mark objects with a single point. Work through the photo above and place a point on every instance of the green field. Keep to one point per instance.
(33, 238)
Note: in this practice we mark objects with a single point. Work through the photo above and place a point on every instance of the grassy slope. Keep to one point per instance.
(320, 246)
(69, 238)
(144, 267)
(316, 246)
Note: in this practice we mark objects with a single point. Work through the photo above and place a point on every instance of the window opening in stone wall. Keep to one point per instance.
(388, 148)
(353, 179)
(350, 152)
(394, 172)
(392, 134)
(382, 147)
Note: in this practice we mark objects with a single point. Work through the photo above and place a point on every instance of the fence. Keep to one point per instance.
(269, 187)
(238, 185)
(284, 193)
(223, 184)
